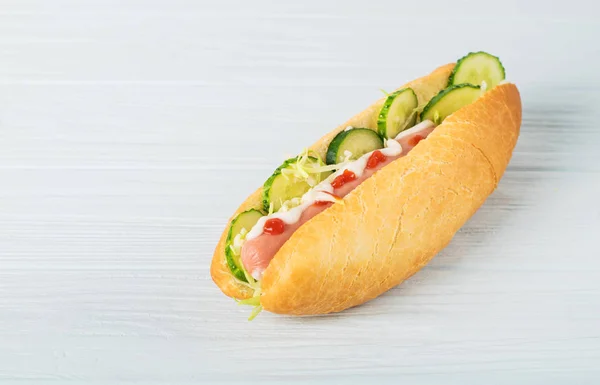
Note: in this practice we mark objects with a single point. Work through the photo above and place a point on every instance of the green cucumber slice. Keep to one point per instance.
(477, 67)
(398, 113)
(281, 187)
(357, 141)
(245, 220)
(449, 101)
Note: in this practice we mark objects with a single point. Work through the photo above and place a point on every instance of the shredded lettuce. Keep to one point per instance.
(324, 168)
(308, 167)
(238, 241)
(305, 168)
(236, 248)
(295, 169)
(271, 208)
(256, 311)
(254, 301)
(409, 119)
(320, 168)
(290, 204)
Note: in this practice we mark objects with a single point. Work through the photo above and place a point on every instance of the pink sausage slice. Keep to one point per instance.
(258, 252)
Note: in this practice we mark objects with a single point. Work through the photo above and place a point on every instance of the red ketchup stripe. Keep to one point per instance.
(274, 226)
(345, 177)
(332, 194)
(375, 158)
(323, 203)
(415, 140)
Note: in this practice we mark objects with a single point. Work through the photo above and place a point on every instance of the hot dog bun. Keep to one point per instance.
(396, 221)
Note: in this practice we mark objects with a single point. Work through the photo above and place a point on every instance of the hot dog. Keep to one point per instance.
(374, 200)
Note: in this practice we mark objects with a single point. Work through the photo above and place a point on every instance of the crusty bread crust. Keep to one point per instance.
(396, 221)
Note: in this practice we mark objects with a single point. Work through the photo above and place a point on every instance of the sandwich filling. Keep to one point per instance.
(271, 231)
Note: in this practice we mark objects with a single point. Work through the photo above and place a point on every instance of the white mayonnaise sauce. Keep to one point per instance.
(411, 131)
(319, 192)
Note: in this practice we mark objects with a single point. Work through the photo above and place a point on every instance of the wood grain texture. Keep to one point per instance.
(130, 130)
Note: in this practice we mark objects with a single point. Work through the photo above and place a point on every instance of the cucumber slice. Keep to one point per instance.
(357, 141)
(281, 187)
(245, 220)
(398, 113)
(450, 100)
(477, 67)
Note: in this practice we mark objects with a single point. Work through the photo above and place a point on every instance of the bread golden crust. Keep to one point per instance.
(396, 221)
(393, 223)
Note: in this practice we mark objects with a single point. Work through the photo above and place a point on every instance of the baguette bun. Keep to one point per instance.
(394, 222)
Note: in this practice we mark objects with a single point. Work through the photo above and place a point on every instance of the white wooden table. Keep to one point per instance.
(130, 130)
